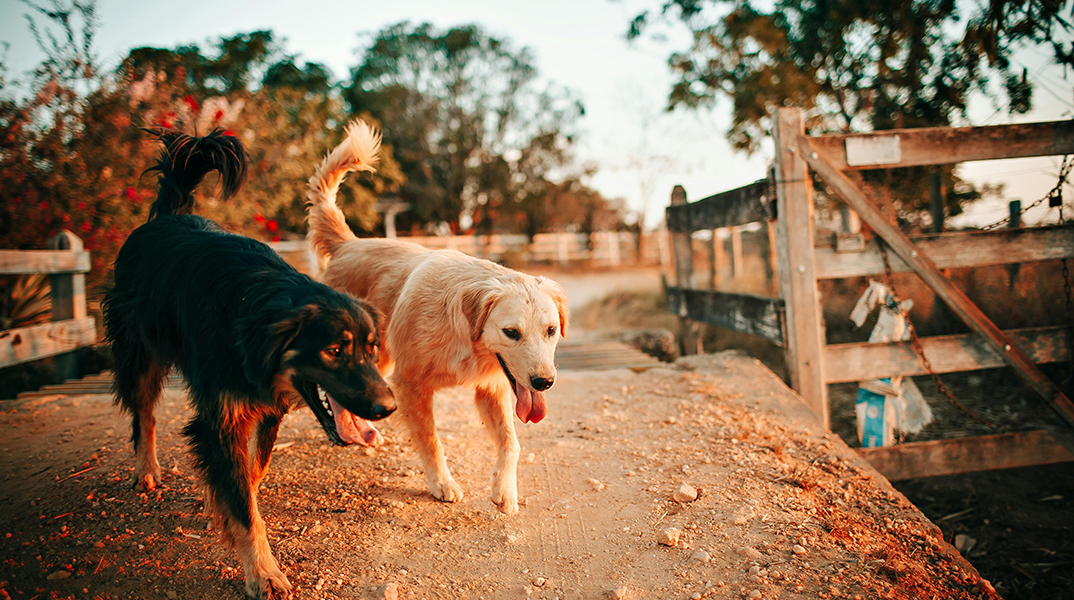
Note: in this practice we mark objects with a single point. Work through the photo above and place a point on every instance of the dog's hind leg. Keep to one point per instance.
(221, 451)
(416, 404)
(497, 417)
(139, 381)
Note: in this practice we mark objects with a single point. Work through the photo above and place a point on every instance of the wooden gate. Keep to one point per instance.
(813, 364)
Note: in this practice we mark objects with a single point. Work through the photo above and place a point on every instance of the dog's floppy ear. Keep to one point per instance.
(263, 344)
(559, 298)
(477, 303)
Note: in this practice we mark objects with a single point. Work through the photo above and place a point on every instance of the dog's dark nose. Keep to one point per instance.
(541, 384)
(380, 410)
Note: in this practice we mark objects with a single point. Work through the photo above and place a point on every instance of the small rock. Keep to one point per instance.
(618, 593)
(743, 516)
(669, 537)
(390, 592)
(750, 553)
(98, 544)
(701, 556)
(695, 596)
(685, 493)
(171, 594)
(754, 594)
(596, 484)
(539, 582)
(61, 574)
(964, 543)
(799, 550)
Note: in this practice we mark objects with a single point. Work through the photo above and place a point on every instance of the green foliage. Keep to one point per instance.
(856, 65)
(476, 133)
(73, 159)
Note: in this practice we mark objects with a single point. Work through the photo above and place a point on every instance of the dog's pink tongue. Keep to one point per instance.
(352, 428)
(529, 405)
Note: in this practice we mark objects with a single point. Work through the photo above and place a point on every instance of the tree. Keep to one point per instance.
(856, 64)
(467, 116)
(73, 152)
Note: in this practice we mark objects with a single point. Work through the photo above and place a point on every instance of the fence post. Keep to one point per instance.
(68, 295)
(737, 266)
(804, 336)
(683, 251)
(768, 256)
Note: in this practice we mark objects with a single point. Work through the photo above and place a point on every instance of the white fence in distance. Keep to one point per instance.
(607, 249)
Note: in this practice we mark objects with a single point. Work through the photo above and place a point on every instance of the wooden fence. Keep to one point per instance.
(794, 319)
(71, 327)
(599, 249)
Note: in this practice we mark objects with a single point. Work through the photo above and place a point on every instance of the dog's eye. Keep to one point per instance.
(551, 330)
(512, 334)
(333, 351)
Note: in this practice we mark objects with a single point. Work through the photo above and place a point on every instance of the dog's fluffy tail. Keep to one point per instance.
(186, 160)
(358, 152)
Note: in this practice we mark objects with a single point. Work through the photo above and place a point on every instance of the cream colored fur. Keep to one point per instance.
(446, 318)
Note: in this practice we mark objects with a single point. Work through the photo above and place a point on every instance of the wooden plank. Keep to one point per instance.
(804, 330)
(23, 262)
(740, 206)
(683, 250)
(48, 339)
(947, 145)
(68, 295)
(965, 455)
(946, 354)
(955, 250)
(745, 313)
(955, 298)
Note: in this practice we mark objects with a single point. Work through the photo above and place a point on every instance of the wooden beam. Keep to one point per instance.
(947, 145)
(746, 313)
(682, 249)
(48, 339)
(955, 298)
(804, 332)
(965, 455)
(740, 206)
(954, 251)
(946, 354)
(22, 262)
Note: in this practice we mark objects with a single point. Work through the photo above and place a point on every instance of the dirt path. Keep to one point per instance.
(784, 511)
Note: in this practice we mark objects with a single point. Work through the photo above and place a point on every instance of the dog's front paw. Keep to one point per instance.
(271, 585)
(507, 502)
(446, 490)
(147, 477)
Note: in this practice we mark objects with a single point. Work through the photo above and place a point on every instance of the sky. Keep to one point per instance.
(640, 151)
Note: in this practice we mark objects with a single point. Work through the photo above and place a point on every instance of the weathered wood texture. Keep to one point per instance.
(24, 262)
(946, 354)
(804, 333)
(954, 251)
(965, 455)
(945, 145)
(48, 339)
(745, 313)
(955, 298)
(740, 206)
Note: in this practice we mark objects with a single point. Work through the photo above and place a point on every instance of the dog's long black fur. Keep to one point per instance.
(252, 336)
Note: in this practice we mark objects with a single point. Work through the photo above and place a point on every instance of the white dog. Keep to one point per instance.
(449, 319)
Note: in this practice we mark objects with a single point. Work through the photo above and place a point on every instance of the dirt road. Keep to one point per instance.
(783, 510)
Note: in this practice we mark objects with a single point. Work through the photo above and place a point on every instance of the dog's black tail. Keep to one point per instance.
(186, 160)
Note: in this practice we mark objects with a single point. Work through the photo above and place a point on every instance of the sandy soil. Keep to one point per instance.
(784, 510)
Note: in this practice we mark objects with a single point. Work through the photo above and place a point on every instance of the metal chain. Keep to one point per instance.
(915, 341)
(1052, 195)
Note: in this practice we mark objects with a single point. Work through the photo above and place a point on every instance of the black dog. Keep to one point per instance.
(252, 336)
